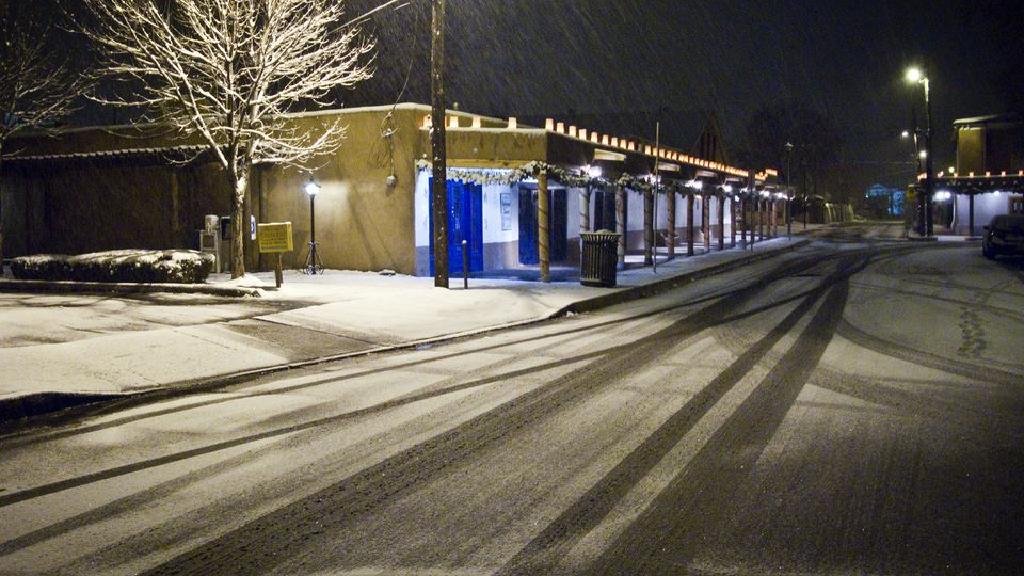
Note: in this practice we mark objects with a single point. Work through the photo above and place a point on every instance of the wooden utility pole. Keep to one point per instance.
(439, 189)
(542, 227)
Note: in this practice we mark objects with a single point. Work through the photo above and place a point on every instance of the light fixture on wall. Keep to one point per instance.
(314, 265)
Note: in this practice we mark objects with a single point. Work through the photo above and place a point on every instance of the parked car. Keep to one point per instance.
(1004, 235)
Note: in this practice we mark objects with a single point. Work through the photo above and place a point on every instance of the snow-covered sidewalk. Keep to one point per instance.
(54, 348)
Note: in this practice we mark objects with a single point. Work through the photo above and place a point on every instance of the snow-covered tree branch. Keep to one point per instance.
(229, 71)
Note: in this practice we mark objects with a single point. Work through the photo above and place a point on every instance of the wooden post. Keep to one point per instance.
(670, 215)
(542, 227)
(753, 208)
(620, 223)
(689, 224)
(278, 271)
(439, 189)
(648, 227)
(721, 221)
(743, 217)
(705, 221)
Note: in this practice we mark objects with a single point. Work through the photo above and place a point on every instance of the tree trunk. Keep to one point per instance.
(238, 179)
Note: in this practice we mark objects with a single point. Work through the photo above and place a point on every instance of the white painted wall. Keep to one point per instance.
(492, 214)
(422, 214)
(986, 207)
(634, 211)
(572, 208)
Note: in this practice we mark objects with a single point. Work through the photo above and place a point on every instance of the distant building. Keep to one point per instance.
(101, 188)
(883, 201)
(988, 178)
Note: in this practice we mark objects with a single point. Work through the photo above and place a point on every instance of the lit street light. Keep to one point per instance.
(313, 263)
(916, 76)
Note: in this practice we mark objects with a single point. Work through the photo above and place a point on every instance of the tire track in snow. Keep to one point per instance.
(260, 545)
(673, 525)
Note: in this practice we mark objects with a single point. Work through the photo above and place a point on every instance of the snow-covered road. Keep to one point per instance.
(853, 407)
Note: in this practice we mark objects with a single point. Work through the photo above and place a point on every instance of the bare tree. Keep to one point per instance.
(37, 88)
(229, 72)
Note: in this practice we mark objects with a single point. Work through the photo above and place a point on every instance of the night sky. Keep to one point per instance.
(845, 58)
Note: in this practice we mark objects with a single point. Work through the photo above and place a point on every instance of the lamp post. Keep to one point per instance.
(313, 263)
(916, 76)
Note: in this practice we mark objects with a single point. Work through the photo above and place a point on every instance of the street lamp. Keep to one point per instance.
(313, 263)
(917, 76)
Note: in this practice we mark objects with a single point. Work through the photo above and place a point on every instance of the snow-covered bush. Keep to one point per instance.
(135, 266)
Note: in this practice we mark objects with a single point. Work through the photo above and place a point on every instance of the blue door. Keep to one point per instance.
(465, 222)
(529, 251)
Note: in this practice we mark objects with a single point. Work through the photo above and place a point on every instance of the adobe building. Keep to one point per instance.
(104, 188)
(988, 178)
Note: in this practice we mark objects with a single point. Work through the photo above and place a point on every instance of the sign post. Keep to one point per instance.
(275, 238)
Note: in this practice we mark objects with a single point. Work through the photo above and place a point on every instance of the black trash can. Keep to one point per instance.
(599, 258)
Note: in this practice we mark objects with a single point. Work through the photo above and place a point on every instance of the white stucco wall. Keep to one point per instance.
(986, 207)
(422, 214)
(492, 214)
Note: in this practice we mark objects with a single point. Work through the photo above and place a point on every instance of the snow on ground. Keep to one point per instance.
(124, 343)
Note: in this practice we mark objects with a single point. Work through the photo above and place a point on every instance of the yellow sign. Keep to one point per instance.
(275, 237)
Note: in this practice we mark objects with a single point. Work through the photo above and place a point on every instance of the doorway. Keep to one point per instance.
(529, 250)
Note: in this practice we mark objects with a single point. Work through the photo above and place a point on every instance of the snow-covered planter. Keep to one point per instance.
(134, 266)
